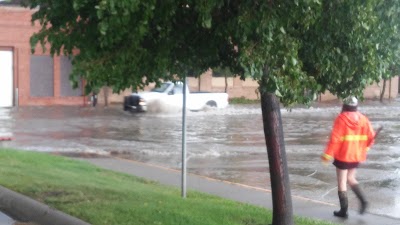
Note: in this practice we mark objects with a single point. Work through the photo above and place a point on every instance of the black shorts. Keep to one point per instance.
(345, 165)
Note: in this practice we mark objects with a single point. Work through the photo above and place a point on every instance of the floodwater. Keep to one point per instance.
(226, 144)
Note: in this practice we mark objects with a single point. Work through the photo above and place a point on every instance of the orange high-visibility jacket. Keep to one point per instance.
(351, 137)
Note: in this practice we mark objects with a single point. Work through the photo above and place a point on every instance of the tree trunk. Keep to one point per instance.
(273, 131)
(226, 83)
(383, 90)
(199, 83)
(105, 92)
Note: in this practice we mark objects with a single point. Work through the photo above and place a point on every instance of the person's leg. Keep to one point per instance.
(351, 178)
(342, 179)
(342, 193)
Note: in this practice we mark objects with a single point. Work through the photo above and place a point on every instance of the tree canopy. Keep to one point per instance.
(340, 46)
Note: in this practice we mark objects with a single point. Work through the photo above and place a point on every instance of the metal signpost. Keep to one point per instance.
(184, 140)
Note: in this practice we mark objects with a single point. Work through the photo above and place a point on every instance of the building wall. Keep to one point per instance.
(15, 31)
(249, 88)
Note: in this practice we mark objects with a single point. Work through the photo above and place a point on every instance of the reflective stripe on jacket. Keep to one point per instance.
(351, 137)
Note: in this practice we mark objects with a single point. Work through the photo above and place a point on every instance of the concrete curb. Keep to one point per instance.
(25, 209)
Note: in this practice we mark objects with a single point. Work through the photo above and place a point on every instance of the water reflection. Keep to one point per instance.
(225, 144)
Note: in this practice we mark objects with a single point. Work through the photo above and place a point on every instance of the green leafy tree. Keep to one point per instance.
(387, 27)
(224, 72)
(294, 49)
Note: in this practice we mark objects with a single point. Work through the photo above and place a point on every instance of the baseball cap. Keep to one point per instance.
(351, 101)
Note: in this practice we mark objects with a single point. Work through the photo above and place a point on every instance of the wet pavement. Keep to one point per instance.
(6, 220)
(226, 144)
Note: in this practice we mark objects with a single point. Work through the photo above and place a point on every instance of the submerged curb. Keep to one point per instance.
(25, 209)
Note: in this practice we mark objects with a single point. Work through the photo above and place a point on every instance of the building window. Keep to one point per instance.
(41, 76)
(65, 83)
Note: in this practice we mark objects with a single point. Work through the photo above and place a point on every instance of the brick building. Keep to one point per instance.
(25, 78)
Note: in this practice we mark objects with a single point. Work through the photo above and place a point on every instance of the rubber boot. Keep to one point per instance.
(363, 202)
(344, 204)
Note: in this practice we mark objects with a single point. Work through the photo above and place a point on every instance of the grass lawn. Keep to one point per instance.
(243, 100)
(100, 196)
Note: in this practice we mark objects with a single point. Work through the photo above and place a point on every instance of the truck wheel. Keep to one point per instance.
(211, 104)
(126, 99)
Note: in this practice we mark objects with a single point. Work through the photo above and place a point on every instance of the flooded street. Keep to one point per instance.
(226, 144)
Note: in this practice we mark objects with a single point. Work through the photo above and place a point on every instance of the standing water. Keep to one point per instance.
(226, 144)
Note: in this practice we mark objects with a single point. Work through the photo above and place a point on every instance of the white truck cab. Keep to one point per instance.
(170, 94)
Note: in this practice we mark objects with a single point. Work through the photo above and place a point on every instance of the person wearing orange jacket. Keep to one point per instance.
(352, 136)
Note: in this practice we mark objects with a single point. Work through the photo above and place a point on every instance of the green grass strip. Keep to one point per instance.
(100, 196)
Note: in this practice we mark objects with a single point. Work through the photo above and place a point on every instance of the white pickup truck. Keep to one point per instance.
(170, 94)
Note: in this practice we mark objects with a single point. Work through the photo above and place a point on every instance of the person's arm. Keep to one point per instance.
(335, 140)
(372, 135)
